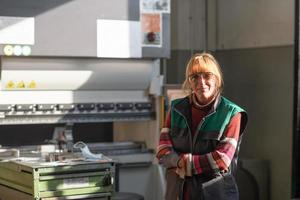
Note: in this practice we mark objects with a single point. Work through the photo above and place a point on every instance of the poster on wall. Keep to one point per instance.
(151, 29)
(155, 6)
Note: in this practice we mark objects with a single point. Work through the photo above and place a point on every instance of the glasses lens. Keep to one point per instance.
(204, 75)
(207, 75)
(194, 77)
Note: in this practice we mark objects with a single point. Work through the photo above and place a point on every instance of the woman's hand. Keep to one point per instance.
(181, 168)
(184, 165)
(181, 162)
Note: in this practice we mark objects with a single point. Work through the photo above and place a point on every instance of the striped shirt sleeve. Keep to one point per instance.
(165, 145)
(220, 158)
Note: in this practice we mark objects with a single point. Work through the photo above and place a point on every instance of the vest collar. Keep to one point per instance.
(184, 106)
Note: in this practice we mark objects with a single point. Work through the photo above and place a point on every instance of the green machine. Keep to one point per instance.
(31, 178)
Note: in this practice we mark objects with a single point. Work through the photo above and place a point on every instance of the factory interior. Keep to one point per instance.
(85, 86)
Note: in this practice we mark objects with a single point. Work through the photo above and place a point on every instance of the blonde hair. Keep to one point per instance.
(202, 62)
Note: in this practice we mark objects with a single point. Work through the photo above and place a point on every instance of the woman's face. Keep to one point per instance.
(204, 85)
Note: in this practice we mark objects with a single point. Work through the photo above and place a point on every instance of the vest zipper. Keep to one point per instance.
(199, 127)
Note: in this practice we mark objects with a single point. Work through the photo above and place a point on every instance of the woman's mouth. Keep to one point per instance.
(203, 89)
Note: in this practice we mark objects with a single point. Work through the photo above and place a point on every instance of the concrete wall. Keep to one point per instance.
(253, 40)
(261, 80)
(244, 23)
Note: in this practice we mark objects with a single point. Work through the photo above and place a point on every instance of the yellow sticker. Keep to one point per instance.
(21, 84)
(10, 85)
(32, 84)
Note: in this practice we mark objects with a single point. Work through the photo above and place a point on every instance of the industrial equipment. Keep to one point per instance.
(31, 176)
(68, 62)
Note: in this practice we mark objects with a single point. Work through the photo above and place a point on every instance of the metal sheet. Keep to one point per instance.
(75, 74)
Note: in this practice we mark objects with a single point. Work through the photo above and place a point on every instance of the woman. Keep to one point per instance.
(199, 142)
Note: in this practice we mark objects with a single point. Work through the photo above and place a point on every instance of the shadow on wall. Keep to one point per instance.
(253, 179)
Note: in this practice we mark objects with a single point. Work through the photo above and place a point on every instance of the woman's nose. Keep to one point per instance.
(201, 80)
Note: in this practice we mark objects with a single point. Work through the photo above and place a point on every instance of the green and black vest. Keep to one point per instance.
(208, 135)
(209, 131)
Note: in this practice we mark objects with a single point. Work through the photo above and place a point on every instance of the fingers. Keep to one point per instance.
(184, 165)
(180, 172)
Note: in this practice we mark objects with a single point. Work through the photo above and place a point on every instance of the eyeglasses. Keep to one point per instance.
(205, 75)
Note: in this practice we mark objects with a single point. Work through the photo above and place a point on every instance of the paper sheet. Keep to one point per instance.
(17, 30)
(118, 39)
